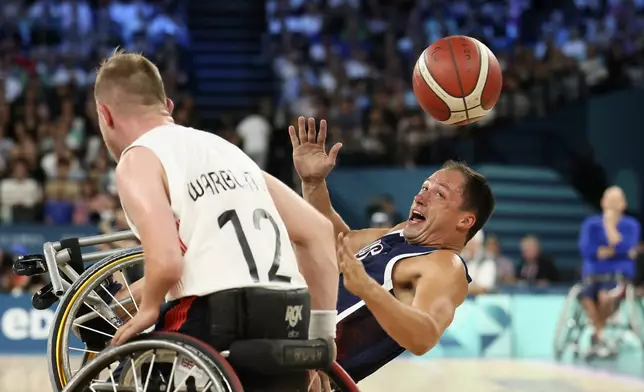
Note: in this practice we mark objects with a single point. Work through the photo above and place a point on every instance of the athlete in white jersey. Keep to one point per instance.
(223, 208)
(215, 229)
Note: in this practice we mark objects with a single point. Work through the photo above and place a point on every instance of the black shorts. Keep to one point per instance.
(221, 318)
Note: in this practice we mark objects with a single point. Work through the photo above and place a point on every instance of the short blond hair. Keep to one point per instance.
(129, 79)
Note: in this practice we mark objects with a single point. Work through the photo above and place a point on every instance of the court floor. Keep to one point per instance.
(29, 374)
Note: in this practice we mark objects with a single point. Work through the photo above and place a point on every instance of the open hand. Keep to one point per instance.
(311, 161)
(144, 319)
(356, 279)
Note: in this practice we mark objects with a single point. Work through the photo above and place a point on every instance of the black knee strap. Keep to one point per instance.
(75, 254)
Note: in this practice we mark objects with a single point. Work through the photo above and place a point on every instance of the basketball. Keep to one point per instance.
(457, 80)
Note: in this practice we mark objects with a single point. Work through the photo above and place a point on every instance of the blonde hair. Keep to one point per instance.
(129, 79)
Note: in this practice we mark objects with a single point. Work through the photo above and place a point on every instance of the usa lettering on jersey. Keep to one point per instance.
(370, 250)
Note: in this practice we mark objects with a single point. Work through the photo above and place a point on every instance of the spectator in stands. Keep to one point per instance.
(482, 269)
(535, 267)
(608, 246)
(382, 212)
(61, 194)
(19, 194)
(255, 131)
(92, 203)
(505, 273)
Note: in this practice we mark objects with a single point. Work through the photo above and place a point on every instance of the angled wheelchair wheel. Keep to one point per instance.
(89, 310)
(635, 313)
(570, 324)
(339, 380)
(157, 362)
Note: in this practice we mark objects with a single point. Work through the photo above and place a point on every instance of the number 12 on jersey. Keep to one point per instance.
(258, 215)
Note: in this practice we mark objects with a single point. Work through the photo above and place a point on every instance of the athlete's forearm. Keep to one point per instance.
(317, 194)
(411, 328)
(160, 278)
(317, 263)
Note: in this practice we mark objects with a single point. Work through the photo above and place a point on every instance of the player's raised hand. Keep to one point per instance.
(310, 158)
(356, 279)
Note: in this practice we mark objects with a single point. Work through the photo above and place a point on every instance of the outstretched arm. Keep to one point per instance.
(313, 165)
(417, 327)
(314, 242)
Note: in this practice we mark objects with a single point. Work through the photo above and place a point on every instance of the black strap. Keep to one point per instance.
(75, 254)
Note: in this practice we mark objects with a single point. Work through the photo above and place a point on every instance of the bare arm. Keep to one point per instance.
(313, 164)
(317, 194)
(314, 242)
(140, 180)
(440, 289)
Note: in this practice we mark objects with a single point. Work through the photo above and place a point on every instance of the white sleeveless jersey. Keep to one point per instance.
(231, 234)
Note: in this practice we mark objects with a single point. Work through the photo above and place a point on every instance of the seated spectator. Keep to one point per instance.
(19, 194)
(535, 267)
(505, 268)
(61, 193)
(382, 212)
(608, 244)
(91, 203)
(482, 269)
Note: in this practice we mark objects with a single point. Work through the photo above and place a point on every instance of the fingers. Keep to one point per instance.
(311, 132)
(294, 139)
(333, 153)
(322, 133)
(121, 335)
(301, 129)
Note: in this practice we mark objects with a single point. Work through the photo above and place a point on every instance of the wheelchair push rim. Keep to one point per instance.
(78, 295)
(156, 347)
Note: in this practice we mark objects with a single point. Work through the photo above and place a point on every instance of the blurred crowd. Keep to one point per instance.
(54, 168)
(351, 61)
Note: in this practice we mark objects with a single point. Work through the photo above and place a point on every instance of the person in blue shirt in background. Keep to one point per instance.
(607, 243)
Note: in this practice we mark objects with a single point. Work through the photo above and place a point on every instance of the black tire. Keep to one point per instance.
(54, 350)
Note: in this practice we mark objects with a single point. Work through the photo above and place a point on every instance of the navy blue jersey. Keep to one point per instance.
(363, 346)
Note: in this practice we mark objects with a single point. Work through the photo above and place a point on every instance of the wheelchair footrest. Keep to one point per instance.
(272, 356)
(44, 298)
(29, 265)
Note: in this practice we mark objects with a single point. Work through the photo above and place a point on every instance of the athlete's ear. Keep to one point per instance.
(105, 113)
(467, 221)
(170, 105)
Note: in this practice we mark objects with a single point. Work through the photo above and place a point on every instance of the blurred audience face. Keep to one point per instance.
(473, 248)
(530, 249)
(19, 170)
(614, 200)
(492, 247)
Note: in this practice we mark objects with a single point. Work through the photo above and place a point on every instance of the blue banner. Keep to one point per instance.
(23, 330)
(32, 237)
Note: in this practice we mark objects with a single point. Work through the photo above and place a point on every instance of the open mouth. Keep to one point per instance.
(416, 216)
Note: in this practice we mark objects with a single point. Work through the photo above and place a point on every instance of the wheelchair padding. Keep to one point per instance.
(277, 356)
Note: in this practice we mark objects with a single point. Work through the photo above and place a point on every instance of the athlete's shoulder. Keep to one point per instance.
(445, 263)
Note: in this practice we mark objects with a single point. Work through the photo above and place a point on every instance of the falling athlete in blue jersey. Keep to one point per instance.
(399, 287)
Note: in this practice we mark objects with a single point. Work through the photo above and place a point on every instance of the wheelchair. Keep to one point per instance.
(163, 361)
(625, 327)
(88, 307)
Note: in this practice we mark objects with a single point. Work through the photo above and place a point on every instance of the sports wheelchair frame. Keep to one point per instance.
(625, 325)
(88, 295)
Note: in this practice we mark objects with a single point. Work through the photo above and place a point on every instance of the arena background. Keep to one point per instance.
(566, 127)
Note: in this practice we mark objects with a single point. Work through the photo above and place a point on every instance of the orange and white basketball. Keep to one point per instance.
(457, 80)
